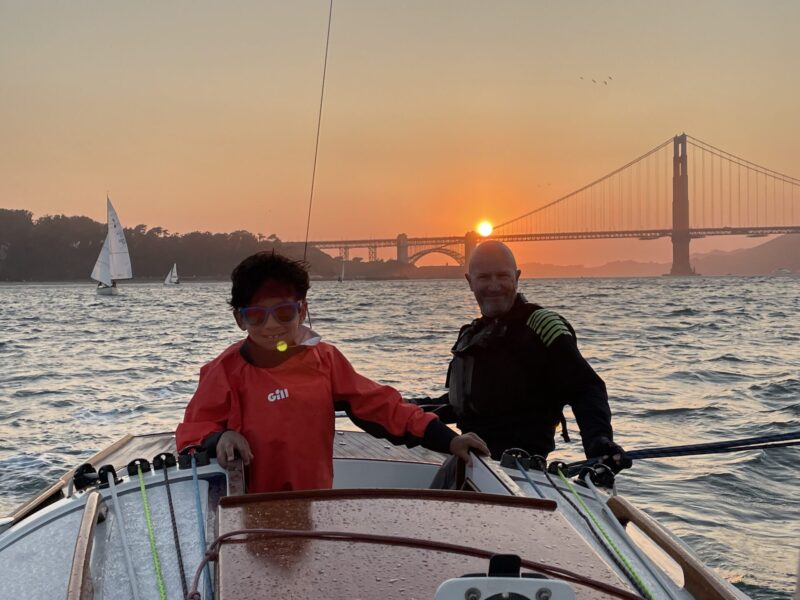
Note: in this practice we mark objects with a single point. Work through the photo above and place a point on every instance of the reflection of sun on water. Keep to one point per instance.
(484, 228)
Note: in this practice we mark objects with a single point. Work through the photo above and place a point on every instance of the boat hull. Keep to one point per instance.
(107, 291)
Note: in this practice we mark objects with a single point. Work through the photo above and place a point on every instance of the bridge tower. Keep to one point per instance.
(680, 209)
(470, 243)
(402, 249)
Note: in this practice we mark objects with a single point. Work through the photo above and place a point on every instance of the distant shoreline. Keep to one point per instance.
(154, 281)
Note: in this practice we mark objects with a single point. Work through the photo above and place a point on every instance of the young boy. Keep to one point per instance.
(271, 397)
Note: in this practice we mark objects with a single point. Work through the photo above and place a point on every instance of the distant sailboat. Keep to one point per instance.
(114, 262)
(172, 276)
(340, 279)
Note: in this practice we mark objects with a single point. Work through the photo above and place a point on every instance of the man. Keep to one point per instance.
(515, 368)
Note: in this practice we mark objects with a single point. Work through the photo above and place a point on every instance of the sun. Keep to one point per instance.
(484, 228)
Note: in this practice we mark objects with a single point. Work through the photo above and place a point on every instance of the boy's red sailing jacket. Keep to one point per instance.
(286, 413)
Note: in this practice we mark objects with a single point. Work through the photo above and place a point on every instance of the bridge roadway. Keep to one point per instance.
(428, 245)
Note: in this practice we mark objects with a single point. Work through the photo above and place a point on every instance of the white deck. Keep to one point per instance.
(36, 552)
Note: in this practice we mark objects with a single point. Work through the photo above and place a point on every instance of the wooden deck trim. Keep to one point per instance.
(698, 579)
(389, 494)
(80, 586)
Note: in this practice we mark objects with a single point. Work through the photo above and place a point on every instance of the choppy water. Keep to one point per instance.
(685, 361)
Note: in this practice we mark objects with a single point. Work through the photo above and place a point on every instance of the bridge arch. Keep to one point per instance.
(459, 258)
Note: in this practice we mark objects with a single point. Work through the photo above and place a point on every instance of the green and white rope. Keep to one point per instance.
(151, 534)
(622, 558)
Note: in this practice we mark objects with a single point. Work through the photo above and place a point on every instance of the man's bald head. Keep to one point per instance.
(493, 253)
(493, 275)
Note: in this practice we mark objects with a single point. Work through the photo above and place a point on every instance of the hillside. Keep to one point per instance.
(778, 255)
(781, 253)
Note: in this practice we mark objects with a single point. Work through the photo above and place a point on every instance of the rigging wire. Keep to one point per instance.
(201, 528)
(531, 482)
(319, 125)
(175, 535)
(123, 536)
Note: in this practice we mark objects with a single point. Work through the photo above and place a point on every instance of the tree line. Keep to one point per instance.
(62, 248)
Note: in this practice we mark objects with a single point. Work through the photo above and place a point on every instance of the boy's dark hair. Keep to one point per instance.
(250, 274)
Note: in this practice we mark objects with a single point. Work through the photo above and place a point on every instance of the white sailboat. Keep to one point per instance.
(172, 277)
(114, 262)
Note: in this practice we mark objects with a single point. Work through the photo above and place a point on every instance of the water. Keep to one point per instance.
(685, 361)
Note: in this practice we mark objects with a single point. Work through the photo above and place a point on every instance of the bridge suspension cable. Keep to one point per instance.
(728, 191)
(743, 161)
(636, 196)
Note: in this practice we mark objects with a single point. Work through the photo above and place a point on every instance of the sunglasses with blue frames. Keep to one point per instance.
(285, 312)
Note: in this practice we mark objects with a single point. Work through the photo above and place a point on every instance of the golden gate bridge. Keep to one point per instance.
(683, 189)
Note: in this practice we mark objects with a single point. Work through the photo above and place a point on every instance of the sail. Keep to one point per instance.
(119, 259)
(102, 268)
(172, 276)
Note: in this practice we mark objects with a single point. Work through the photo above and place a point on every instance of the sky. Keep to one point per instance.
(201, 115)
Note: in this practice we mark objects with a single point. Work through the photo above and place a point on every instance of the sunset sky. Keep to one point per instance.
(201, 115)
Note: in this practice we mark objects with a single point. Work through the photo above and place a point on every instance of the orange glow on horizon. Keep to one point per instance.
(421, 132)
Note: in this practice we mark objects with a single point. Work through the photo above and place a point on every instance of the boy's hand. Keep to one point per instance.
(229, 443)
(462, 444)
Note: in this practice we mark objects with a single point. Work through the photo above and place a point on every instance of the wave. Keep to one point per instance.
(777, 390)
(684, 312)
(706, 376)
(729, 358)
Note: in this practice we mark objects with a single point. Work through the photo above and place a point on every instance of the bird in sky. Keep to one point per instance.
(595, 81)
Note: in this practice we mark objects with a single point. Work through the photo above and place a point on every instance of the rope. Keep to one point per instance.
(151, 535)
(125, 548)
(640, 585)
(175, 532)
(654, 572)
(612, 551)
(529, 480)
(201, 529)
(368, 538)
(319, 125)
